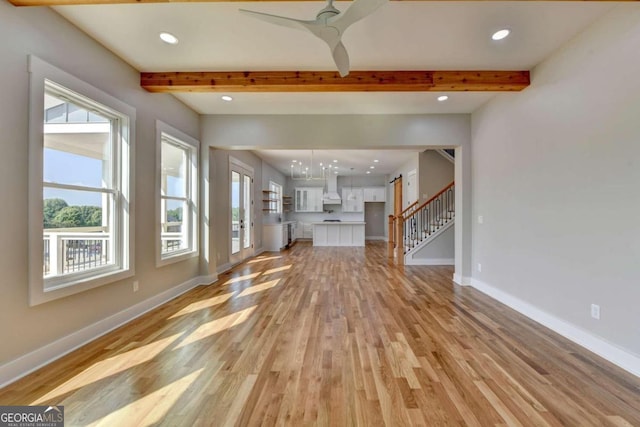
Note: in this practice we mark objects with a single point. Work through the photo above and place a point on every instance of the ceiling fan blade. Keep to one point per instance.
(341, 58)
(358, 10)
(280, 20)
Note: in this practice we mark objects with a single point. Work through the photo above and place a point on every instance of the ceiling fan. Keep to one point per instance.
(329, 26)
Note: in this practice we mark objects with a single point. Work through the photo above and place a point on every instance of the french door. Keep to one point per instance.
(241, 215)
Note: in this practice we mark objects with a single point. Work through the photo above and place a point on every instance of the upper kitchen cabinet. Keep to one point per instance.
(352, 200)
(375, 194)
(309, 199)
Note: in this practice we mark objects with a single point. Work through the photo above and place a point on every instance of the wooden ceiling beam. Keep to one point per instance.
(329, 81)
(93, 2)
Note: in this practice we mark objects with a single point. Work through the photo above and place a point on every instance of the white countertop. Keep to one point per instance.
(339, 223)
(279, 223)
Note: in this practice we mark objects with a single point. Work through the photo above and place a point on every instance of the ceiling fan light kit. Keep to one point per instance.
(329, 26)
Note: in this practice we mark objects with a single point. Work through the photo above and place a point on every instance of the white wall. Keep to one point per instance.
(556, 174)
(42, 32)
(335, 131)
(439, 251)
(436, 172)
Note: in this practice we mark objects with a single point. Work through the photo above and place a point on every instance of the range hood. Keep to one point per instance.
(331, 197)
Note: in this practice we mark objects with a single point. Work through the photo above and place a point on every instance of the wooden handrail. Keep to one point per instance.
(408, 207)
(428, 201)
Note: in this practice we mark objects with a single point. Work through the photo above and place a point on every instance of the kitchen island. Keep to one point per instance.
(338, 233)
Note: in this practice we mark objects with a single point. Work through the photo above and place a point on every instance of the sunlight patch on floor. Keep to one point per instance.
(109, 367)
(218, 325)
(199, 305)
(260, 259)
(241, 278)
(277, 269)
(150, 409)
(259, 288)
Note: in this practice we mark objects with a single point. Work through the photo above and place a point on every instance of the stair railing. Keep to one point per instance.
(426, 219)
(409, 209)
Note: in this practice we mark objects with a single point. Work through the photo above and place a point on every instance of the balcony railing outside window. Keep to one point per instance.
(72, 252)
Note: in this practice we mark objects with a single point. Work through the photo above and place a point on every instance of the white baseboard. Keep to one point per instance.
(429, 261)
(223, 268)
(206, 280)
(26, 364)
(382, 238)
(628, 361)
(461, 280)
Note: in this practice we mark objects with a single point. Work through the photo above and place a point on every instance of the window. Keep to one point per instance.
(178, 191)
(80, 201)
(276, 196)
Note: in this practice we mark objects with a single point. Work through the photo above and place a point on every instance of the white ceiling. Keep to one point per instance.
(360, 160)
(400, 35)
(413, 35)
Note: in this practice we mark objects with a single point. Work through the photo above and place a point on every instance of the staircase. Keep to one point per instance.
(418, 226)
(429, 218)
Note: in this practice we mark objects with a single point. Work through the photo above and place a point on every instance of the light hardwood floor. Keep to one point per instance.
(333, 336)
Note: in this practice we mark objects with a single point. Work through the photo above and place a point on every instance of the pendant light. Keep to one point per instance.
(351, 196)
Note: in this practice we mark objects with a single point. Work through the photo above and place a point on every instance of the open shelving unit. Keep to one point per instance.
(287, 203)
(268, 201)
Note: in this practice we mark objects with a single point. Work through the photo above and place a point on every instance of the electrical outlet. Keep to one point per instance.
(480, 219)
(595, 311)
(136, 286)
(479, 267)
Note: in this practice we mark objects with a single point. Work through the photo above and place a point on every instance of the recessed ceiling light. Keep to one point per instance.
(376, 161)
(501, 34)
(168, 38)
(372, 167)
(443, 98)
(336, 172)
(291, 165)
(320, 163)
(226, 98)
(335, 161)
(368, 171)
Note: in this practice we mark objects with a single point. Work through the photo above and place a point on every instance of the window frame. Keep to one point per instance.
(274, 187)
(192, 146)
(43, 290)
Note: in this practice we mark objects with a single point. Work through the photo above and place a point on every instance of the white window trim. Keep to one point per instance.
(194, 173)
(279, 202)
(39, 71)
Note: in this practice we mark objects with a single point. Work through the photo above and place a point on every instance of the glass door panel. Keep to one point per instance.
(241, 191)
(235, 212)
(246, 208)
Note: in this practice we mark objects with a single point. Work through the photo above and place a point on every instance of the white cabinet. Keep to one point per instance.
(375, 194)
(273, 237)
(338, 234)
(352, 200)
(307, 230)
(309, 199)
(276, 236)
